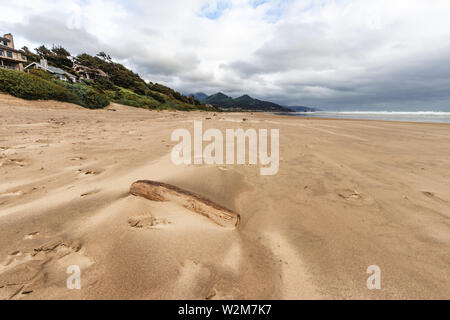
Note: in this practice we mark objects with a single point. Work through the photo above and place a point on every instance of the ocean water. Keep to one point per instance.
(414, 116)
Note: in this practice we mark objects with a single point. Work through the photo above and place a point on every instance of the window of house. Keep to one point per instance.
(9, 54)
(1, 53)
(5, 43)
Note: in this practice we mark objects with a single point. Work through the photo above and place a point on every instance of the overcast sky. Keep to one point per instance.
(340, 54)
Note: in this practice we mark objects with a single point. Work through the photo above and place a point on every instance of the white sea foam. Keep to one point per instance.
(392, 113)
(413, 116)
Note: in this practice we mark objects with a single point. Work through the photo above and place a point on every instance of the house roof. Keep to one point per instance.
(56, 70)
(60, 71)
(99, 72)
(30, 65)
(102, 73)
(52, 70)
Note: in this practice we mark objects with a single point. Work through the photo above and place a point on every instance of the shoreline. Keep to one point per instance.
(363, 119)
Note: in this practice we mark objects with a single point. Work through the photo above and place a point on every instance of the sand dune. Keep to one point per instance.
(349, 194)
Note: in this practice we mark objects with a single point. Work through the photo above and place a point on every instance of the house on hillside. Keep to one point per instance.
(10, 58)
(87, 73)
(57, 72)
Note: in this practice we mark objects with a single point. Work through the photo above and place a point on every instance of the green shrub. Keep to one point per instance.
(102, 84)
(90, 98)
(140, 88)
(37, 86)
(26, 86)
(42, 74)
(129, 98)
(161, 98)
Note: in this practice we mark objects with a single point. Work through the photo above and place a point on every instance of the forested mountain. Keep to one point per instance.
(244, 102)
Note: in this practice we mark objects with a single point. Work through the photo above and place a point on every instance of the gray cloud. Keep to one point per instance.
(177, 64)
(342, 55)
(421, 82)
(49, 30)
(347, 70)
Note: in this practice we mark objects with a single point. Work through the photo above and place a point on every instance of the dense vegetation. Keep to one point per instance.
(122, 85)
(37, 86)
(244, 102)
(124, 82)
(57, 57)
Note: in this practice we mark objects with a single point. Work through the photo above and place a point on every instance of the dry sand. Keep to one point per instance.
(349, 194)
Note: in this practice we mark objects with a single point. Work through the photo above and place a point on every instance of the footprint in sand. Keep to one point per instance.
(18, 162)
(90, 171)
(349, 194)
(58, 246)
(89, 193)
(31, 235)
(11, 258)
(428, 194)
(146, 222)
(433, 196)
(14, 162)
(77, 158)
(42, 141)
(352, 195)
(24, 273)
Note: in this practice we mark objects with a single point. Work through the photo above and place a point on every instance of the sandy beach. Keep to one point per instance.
(349, 194)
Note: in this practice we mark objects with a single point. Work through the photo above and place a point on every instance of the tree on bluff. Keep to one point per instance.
(119, 75)
(57, 56)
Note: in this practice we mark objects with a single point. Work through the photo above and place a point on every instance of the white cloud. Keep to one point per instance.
(325, 52)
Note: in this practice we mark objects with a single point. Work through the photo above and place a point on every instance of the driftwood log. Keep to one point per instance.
(159, 191)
